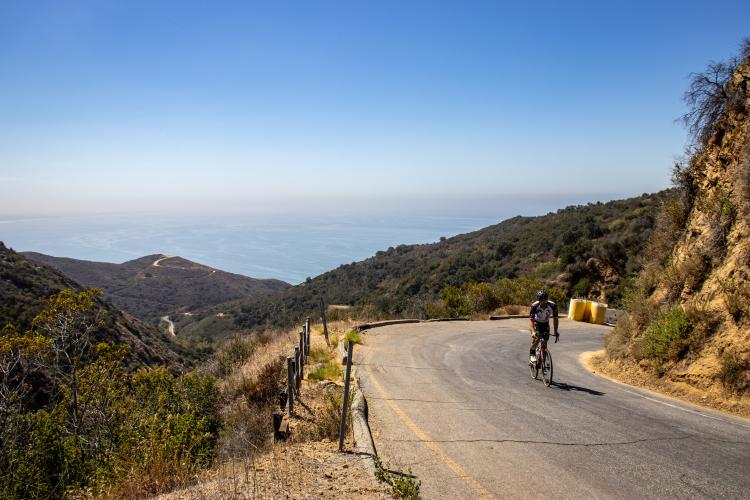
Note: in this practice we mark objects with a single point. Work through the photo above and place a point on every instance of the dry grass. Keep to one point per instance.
(736, 294)
(250, 394)
(320, 354)
(250, 464)
(735, 371)
(312, 470)
(160, 475)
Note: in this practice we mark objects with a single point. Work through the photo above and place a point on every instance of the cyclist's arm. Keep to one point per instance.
(555, 320)
(532, 315)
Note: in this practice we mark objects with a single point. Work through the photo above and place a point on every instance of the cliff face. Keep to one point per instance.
(689, 317)
(714, 252)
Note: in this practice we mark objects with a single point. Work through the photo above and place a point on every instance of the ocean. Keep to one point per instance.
(288, 247)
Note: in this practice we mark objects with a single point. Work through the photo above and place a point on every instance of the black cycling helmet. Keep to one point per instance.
(541, 295)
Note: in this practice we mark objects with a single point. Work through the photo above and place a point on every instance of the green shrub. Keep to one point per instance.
(319, 354)
(328, 371)
(454, 302)
(667, 337)
(481, 297)
(582, 288)
(435, 310)
(233, 353)
(403, 485)
(355, 337)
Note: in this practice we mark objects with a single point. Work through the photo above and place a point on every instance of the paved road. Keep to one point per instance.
(454, 403)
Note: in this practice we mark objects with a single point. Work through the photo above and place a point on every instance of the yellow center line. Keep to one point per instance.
(423, 437)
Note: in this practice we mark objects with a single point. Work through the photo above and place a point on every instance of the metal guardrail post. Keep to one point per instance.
(290, 385)
(345, 405)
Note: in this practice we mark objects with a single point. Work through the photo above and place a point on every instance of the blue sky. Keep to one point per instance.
(239, 106)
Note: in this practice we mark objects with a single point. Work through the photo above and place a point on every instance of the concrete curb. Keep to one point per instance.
(343, 354)
(363, 442)
(364, 445)
(508, 316)
(378, 324)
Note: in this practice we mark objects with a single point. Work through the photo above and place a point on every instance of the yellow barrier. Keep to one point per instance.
(598, 313)
(587, 310)
(577, 309)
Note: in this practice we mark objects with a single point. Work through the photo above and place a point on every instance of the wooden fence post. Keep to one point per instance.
(290, 385)
(307, 335)
(325, 323)
(297, 368)
(345, 405)
(302, 355)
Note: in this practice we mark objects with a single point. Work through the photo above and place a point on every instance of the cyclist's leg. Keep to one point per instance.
(534, 339)
(542, 333)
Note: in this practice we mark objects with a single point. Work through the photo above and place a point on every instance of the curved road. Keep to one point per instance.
(170, 325)
(454, 403)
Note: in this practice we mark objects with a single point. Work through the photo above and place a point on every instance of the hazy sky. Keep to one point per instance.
(231, 106)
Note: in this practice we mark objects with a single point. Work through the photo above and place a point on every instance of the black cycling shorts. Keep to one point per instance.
(541, 330)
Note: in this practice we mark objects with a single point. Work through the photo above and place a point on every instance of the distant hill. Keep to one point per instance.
(158, 285)
(590, 250)
(24, 284)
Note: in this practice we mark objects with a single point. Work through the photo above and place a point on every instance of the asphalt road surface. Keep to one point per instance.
(454, 402)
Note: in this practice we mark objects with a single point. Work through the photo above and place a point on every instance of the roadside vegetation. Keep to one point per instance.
(77, 420)
(505, 296)
(74, 419)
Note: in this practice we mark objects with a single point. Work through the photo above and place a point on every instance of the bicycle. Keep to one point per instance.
(543, 361)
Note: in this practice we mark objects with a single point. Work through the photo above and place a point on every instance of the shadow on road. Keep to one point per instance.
(566, 387)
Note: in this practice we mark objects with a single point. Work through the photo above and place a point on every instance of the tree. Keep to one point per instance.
(68, 322)
(18, 354)
(710, 96)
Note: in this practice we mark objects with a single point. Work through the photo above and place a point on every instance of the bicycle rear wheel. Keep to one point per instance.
(547, 368)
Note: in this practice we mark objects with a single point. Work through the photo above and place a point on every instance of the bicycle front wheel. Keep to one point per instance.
(547, 368)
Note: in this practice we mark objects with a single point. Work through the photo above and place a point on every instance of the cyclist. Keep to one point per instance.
(541, 312)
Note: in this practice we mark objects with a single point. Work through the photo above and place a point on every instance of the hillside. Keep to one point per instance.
(588, 250)
(156, 285)
(25, 284)
(688, 330)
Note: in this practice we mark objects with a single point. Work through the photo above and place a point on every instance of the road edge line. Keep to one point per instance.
(584, 359)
